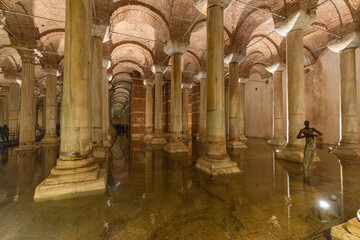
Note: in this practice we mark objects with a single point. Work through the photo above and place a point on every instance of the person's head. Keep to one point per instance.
(307, 123)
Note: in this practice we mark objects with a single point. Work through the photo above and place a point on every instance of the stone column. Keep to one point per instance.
(176, 49)
(158, 114)
(234, 99)
(98, 33)
(51, 106)
(201, 76)
(14, 104)
(106, 78)
(27, 113)
(76, 173)
(349, 141)
(149, 125)
(185, 110)
(292, 28)
(3, 111)
(241, 108)
(216, 160)
(279, 137)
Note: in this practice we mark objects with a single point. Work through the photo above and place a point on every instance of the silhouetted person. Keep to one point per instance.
(310, 148)
(5, 133)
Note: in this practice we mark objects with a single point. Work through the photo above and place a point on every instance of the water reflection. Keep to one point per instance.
(153, 195)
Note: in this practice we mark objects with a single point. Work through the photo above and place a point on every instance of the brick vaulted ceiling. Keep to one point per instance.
(139, 29)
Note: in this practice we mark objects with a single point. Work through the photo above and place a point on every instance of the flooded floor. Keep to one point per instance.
(155, 196)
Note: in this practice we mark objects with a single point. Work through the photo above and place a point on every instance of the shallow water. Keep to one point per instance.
(154, 196)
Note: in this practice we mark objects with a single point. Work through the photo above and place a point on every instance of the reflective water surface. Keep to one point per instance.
(155, 196)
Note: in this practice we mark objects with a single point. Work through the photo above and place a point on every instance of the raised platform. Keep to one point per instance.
(351, 150)
(217, 167)
(236, 145)
(175, 147)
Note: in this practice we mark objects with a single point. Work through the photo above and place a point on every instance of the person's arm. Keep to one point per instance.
(300, 135)
(318, 132)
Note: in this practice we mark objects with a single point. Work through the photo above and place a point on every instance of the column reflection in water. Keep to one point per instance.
(9, 172)
(49, 155)
(26, 170)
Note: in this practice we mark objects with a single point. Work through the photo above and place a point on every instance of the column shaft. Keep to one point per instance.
(241, 112)
(149, 111)
(158, 114)
(176, 101)
(203, 113)
(51, 109)
(13, 110)
(185, 111)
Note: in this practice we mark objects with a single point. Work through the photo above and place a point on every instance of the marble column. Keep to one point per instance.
(76, 172)
(158, 138)
(176, 49)
(106, 104)
(27, 107)
(292, 28)
(149, 125)
(201, 77)
(216, 160)
(279, 136)
(242, 81)
(185, 110)
(3, 111)
(98, 33)
(51, 107)
(14, 104)
(234, 141)
(349, 141)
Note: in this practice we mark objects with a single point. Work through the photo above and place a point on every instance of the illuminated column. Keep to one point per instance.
(216, 160)
(105, 99)
(349, 141)
(51, 106)
(201, 76)
(176, 49)
(76, 172)
(185, 110)
(242, 109)
(14, 104)
(158, 138)
(279, 137)
(292, 28)
(234, 101)
(149, 110)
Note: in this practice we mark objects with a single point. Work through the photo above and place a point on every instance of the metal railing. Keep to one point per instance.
(13, 139)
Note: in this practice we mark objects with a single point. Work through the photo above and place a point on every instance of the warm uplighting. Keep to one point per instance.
(323, 204)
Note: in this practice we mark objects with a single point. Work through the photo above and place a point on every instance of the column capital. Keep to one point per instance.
(235, 57)
(2, 20)
(243, 80)
(276, 67)
(158, 69)
(298, 20)
(351, 40)
(52, 71)
(100, 31)
(28, 55)
(222, 3)
(149, 82)
(174, 46)
(186, 85)
(106, 63)
(200, 76)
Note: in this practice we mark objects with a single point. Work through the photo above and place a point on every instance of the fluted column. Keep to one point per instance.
(201, 77)
(158, 138)
(176, 49)
(242, 109)
(27, 114)
(349, 140)
(234, 141)
(279, 137)
(292, 28)
(149, 125)
(14, 104)
(51, 106)
(76, 172)
(216, 160)
(185, 110)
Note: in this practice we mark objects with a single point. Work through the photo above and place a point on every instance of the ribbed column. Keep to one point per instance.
(27, 114)
(51, 106)
(292, 28)
(349, 141)
(176, 49)
(234, 141)
(185, 110)
(149, 125)
(279, 137)
(76, 172)
(14, 104)
(158, 114)
(201, 76)
(216, 160)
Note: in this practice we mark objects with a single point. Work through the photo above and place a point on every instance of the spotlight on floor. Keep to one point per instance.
(322, 211)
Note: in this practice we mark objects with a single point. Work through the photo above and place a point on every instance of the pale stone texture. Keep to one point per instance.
(185, 110)
(149, 125)
(201, 76)
(216, 160)
(106, 103)
(176, 49)
(242, 137)
(14, 104)
(279, 137)
(158, 115)
(76, 172)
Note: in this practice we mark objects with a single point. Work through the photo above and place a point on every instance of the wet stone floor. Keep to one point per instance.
(155, 196)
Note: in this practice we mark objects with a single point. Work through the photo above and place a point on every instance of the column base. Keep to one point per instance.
(158, 141)
(352, 150)
(277, 142)
(24, 148)
(176, 147)
(293, 154)
(137, 136)
(236, 145)
(148, 137)
(186, 136)
(71, 179)
(99, 153)
(51, 139)
(217, 167)
(243, 138)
